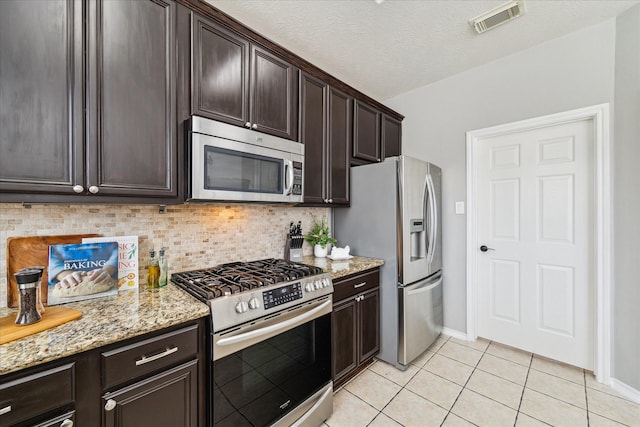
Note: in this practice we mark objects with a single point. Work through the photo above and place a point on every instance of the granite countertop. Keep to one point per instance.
(131, 313)
(104, 321)
(342, 268)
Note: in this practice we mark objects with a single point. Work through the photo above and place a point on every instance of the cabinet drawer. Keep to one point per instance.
(141, 358)
(346, 288)
(36, 394)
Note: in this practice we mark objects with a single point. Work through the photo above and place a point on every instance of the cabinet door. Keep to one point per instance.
(41, 110)
(366, 132)
(132, 146)
(168, 399)
(391, 136)
(368, 325)
(313, 100)
(344, 333)
(339, 141)
(273, 97)
(220, 86)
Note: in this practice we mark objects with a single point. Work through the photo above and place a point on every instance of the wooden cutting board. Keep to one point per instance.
(52, 317)
(33, 251)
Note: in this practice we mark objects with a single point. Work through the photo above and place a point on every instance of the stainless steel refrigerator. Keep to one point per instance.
(395, 215)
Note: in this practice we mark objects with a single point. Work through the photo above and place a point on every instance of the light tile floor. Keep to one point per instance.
(482, 383)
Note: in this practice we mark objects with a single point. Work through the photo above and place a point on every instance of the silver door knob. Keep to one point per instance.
(255, 126)
(78, 188)
(330, 200)
(66, 423)
(247, 125)
(485, 248)
(93, 189)
(110, 405)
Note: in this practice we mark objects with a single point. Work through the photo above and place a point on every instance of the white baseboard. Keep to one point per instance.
(455, 334)
(625, 390)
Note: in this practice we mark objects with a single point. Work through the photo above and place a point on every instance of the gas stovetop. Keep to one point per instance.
(241, 291)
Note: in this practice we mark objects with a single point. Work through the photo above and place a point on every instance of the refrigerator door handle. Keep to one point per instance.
(426, 203)
(422, 287)
(433, 219)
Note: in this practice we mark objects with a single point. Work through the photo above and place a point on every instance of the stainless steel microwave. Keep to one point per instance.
(230, 163)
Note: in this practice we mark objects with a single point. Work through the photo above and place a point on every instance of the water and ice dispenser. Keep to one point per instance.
(418, 238)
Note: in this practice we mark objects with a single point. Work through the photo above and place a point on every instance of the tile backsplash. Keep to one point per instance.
(197, 236)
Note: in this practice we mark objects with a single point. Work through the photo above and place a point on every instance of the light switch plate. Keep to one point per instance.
(459, 208)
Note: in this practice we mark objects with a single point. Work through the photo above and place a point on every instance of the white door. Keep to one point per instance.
(535, 215)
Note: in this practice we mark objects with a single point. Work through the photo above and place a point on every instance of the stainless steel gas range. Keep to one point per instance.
(270, 341)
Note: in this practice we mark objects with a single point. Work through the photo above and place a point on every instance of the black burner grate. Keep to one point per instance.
(235, 277)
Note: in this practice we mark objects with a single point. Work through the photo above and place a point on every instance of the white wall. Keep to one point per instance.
(626, 179)
(571, 72)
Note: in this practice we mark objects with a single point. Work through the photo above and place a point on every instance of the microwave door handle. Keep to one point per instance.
(288, 175)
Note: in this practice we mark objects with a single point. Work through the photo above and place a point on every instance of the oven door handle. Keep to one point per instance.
(273, 329)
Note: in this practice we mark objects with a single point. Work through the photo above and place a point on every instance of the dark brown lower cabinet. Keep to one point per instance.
(167, 399)
(157, 379)
(355, 325)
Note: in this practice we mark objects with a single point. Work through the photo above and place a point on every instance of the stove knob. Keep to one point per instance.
(325, 283)
(254, 303)
(309, 287)
(318, 284)
(241, 307)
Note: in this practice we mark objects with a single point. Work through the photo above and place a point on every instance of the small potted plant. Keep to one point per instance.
(320, 238)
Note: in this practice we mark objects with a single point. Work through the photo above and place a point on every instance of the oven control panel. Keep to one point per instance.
(282, 295)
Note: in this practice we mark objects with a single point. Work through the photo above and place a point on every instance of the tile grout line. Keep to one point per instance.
(464, 386)
(524, 387)
(586, 398)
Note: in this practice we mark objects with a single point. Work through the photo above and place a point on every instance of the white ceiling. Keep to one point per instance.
(386, 49)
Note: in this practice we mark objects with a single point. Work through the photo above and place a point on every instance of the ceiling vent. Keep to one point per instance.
(497, 16)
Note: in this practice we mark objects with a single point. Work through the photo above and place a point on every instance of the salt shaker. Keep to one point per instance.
(27, 289)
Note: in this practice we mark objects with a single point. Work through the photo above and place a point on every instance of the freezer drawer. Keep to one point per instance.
(420, 317)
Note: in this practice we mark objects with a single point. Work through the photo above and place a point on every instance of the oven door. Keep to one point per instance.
(265, 371)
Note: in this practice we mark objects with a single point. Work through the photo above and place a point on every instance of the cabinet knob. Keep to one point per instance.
(254, 126)
(110, 405)
(78, 188)
(66, 423)
(330, 200)
(247, 125)
(94, 189)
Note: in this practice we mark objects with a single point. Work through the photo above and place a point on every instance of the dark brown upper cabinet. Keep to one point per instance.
(391, 132)
(41, 108)
(91, 114)
(366, 133)
(325, 130)
(242, 83)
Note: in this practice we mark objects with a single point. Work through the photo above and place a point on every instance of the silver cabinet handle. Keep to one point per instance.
(66, 423)
(330, 200)
(359, 285)
(254, 126)
(110, 405)
(94, 189)
(5, 410)
(247, 125)
(145, 359)
(78, 188)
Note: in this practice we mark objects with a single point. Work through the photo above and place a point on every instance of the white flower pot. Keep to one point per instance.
(320, 252)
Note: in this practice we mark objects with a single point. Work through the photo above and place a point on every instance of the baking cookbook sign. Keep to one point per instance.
(82, 271)
(127, 259)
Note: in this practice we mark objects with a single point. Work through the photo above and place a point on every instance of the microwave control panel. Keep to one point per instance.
(297, 179)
